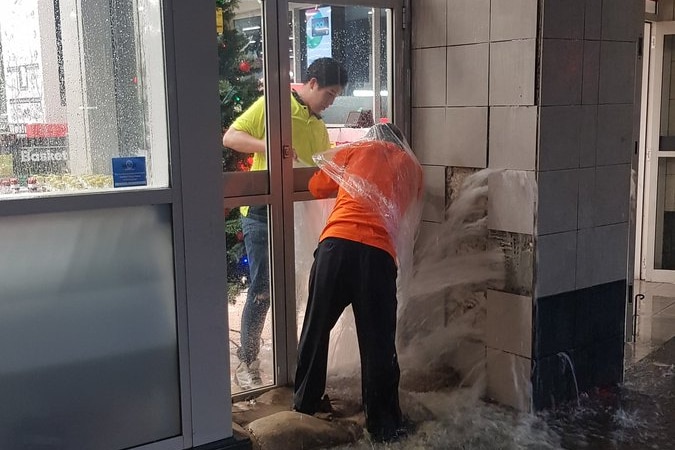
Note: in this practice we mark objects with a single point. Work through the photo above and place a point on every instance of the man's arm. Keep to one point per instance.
(243, 142)
(321, 185)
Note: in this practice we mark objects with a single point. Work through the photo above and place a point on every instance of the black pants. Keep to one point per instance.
(347, 272)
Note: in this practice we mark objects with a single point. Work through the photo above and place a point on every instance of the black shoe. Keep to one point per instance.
(324, 407)
(405, 429)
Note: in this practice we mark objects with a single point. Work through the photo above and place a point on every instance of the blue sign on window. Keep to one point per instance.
(129, 171)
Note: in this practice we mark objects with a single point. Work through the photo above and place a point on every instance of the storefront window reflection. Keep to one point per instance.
(82, 97)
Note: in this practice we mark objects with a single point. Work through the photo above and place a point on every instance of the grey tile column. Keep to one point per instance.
(543, 91)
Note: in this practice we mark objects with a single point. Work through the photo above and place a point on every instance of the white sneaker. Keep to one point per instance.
(247, 376)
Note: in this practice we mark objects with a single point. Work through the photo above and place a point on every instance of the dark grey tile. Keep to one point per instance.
(622, 19)
(554, 380)
(607, 357)
(601, 255)
(589, 135)
(615, 134)
(564, 19)
(554, 319)
(593, 19)
(591, 74)
(557, 203)
(587, 255)
(559, 137)
(600, 313)
(617, 72)
(555, 263)
(586, 197)
(612, 194)
(612, 243)
(562, 63)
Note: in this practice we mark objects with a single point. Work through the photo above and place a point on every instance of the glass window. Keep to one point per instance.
(82, 95)
(88, 330)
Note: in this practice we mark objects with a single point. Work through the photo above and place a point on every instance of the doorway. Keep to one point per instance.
(275, 43)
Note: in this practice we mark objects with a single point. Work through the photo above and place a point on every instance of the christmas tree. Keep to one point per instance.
(240, 68)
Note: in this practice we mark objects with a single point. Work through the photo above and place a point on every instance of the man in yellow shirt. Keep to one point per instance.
(324, 80)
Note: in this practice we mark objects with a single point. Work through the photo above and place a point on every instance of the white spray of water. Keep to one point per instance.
(441, 343)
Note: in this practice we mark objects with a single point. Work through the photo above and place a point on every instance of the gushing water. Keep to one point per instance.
(442, 353)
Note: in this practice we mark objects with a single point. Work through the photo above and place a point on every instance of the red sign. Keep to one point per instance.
(46, 130)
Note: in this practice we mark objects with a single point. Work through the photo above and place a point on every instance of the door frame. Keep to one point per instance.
(282, 185)
(652, 154)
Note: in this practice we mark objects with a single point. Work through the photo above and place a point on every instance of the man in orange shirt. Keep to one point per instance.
(378, 182)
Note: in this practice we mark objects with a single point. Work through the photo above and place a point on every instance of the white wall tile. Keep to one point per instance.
(467, 75)
(466, 135)
(468, 21)
(512, 70)
(428, 23)
(513, 19)
(434, 189)
(508, 379)
(509, 323)
(429, 135)
(429, 77)
(513, 137)
(556, 263)
(511, 201)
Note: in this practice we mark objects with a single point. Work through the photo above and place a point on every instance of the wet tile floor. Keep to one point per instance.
(639, 414)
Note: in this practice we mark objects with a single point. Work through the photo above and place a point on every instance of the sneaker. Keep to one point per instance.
(247, 376)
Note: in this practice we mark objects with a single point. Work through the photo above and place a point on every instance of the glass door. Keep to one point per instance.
(283, 83)
(658, 261)
(366, 38)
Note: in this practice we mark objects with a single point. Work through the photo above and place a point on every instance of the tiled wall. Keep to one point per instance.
(542, 90)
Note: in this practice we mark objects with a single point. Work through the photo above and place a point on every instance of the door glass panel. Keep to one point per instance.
(249, 298)
(359, 38)
(664, 251)
(664, 236)
(82, 97)
(240, 50)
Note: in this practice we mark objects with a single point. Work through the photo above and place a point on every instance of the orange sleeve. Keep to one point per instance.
(321, 185)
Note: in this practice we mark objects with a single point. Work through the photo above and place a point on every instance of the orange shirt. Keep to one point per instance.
(389, 174)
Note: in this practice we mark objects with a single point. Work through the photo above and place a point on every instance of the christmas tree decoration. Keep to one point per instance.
(244, 66)
(240, 68)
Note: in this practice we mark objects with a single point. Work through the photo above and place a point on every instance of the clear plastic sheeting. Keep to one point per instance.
(382, 171)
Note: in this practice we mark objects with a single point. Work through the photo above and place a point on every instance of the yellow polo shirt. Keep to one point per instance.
(309, 133)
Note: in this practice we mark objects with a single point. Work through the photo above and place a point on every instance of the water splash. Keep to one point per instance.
(442, 353)
(566, 359)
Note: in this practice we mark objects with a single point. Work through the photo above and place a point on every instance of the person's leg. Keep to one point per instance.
(328, 296)
(375, 316)
(258, 296)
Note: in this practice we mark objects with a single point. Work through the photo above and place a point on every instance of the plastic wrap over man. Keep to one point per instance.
(378, 182)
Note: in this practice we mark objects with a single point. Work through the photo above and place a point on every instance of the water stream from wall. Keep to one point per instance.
(441, 345)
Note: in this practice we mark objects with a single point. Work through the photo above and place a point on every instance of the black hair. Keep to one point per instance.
(327, 72)
(386, 132)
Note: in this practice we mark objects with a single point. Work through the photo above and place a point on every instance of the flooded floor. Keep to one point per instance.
(639, 414)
